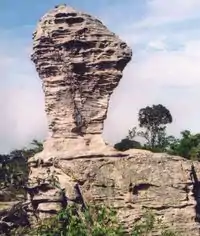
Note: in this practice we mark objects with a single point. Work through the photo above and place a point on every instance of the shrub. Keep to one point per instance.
(94, 221)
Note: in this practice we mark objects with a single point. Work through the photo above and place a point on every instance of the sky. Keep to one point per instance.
(165, 68)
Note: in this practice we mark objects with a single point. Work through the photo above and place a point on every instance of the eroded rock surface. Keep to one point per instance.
(161, 183)
(80, 63)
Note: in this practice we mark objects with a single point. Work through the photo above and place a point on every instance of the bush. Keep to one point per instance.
(148, 225)
(95, 221)
(126, 144)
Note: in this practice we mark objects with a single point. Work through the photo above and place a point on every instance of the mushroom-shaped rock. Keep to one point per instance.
(80, 63)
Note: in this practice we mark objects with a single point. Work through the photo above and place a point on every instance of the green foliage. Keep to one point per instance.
(144, 227)
(152, 123)
(126, 144)
(14, 168)
(34, 148)
(149, 224)
(169, 232)
(153, 120)
(95, 221)
(152, 117)
(162, 143)
(13, 173)
(187, 146)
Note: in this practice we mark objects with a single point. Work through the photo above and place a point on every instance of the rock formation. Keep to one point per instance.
(80, 63)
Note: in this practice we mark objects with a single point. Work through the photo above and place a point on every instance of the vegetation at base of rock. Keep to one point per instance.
(126, 144)
(152, 130)
(14, 171)
(187, 146)
(78, 78)
(96, 220)
(149, 224)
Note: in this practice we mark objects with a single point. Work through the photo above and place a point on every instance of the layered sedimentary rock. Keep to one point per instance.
(80, 63)
(161, 184)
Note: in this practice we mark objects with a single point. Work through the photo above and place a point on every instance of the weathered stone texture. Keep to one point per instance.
(80, 63)
(164, 183)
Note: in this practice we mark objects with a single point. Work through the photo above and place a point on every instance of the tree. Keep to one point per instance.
(36, 147)
(153, 120)
(187, 146)
(14, 166)
(126, 144)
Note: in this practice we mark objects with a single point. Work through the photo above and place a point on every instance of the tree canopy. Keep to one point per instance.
(153, 120)
(152, 128)
(187, 146)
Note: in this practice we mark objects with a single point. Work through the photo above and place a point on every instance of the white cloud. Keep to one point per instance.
(171, 68)
(173, 8)
(171, 78)
(22, 117)
(157, 45)
(157, 74)
(21, 98)
(160, 12)
(165, 69)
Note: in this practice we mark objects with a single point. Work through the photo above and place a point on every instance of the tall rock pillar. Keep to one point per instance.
(80, 63)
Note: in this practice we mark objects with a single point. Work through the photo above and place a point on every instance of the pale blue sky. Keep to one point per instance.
(164, 36)
(14, 14)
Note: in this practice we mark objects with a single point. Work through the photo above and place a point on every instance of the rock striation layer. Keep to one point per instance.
(80, 63)
(161, 184)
